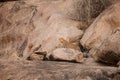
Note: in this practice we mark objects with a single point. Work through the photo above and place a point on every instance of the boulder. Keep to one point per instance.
(57, 24)
(102, 37)
(37, 28)
(18, 18)
(47, 39)
(66, 54)
(14, 25)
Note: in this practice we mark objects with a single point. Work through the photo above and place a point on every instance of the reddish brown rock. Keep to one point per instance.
(103, 36)
(66, 54)
(18, 18)
(38, 25)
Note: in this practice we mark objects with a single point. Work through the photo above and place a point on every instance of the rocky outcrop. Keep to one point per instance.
(103, 36)
(51, 30)
(19, 18)
(14, 26)
(36, 70)
(48, 39)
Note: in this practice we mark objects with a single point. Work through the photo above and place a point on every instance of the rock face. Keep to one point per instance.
(103, 36)
(14, 26)
(54, 28)
(40, 29)
(48, 39)
(23, 70)
(19, 19)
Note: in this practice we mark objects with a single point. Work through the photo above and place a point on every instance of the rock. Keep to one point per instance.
(90, 61)
(48, 38)
(36, 27)
(66, 54)
(36, 57)
(14, 26)
(13, 57)
(69, 45)
(86, 9)
(102, 37)
(18, 18)
(57, 25)
(38, 70)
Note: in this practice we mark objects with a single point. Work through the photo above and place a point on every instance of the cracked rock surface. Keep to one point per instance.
(103, 36)
(33, 27)
(26, 70)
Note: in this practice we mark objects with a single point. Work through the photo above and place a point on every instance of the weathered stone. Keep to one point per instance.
(38, 26)
(19, 17)
(36, 70)
(103, 36)
(15, 24)
(48, 39)
(66, 54)
(53, 17)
